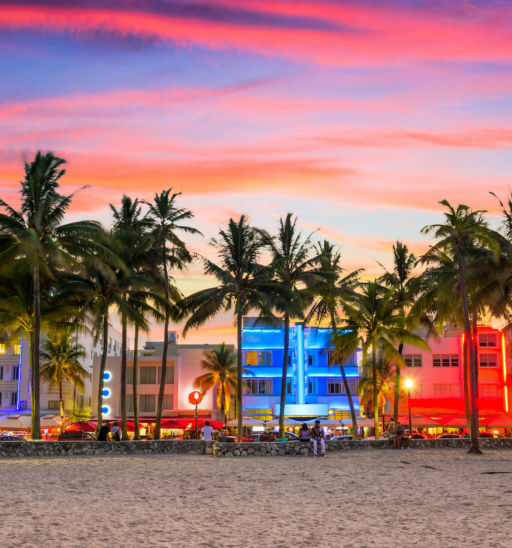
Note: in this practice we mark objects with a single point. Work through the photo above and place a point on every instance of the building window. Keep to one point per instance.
(147, 403)
(331, 359)
(312, 386)
(489, 360)
(413, 360)
(339, 414)
(53, 404)
(1, 373)
(489, 390)
(169, 375)
(129, 375)
(255, 357)
(488, 340)
(15, 372)
(289, 387)
(445, 360)
(260, 414)
(16, 349)
(259, 386)
(14, 399)
(334, 386)
(310, 359)
(168, 402)
(2, 348)
(447, 390)
(147, 375)
(1, 394)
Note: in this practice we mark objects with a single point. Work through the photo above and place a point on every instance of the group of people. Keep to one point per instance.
(397, 435)
(105, 430)
(316, 435)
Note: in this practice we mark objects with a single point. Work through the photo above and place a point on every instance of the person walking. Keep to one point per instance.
(304, 433)
(207, 431)
(317, 435)
(116, 432)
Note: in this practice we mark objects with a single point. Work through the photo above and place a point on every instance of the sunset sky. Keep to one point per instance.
(357, 116)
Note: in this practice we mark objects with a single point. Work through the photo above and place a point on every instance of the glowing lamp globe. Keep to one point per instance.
(195, 397)
(409, 384)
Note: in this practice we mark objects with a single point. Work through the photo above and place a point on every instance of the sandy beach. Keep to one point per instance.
(360, 498)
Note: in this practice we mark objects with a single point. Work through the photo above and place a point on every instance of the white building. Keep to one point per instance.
(183, 366)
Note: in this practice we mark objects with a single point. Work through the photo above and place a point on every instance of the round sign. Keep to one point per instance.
(195, 397)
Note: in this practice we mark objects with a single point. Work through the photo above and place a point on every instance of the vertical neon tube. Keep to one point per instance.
(301, 372)
(19, 371)
(504, 365)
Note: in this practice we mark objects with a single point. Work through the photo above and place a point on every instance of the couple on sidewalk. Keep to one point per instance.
(316, 435)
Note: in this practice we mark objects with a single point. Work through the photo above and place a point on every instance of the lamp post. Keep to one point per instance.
(195, 398)
(409, 384)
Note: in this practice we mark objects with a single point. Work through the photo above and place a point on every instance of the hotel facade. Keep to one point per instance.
(314, 384)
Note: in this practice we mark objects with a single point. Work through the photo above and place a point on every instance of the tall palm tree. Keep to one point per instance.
(62, 363)
(42, 242)
(168, 221)
(131, 230)
(374, 324)
(242, 286)
(331, 291)
(220, 364)
(293, 269)
(405, 287)
(462, 228)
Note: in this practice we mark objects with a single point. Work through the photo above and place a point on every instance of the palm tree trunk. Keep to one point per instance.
(224, 404)
(345, 384)
(135, 383)
(397, 386)
(103, 363)
(36, 419)
(375, 392)
(282, 401)
(465, 372)
(61, 407)
(239, 365)
(164, 352)
(474, 445)
(124, 329)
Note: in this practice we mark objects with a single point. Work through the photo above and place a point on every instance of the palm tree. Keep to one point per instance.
(168, 219)
(462, 228)
(366, 385)
(332, 290)
(374, 324)
(242, 286)
(405, 287)
(131, 231)
(292, 269)
(41, 242)
(220, 364)
(62, 364)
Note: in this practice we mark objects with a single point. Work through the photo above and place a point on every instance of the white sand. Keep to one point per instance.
(348, 499)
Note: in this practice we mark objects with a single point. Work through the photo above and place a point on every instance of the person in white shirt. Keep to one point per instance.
(207, 431)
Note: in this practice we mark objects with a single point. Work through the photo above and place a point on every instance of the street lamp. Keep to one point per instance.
(195, 398)
(409, 384)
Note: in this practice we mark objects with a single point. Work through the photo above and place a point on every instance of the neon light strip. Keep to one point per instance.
(301, 370)
(504, 356)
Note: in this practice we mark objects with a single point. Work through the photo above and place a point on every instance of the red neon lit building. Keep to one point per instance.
(438, 375)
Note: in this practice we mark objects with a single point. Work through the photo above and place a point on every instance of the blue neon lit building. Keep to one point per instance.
(314, 383)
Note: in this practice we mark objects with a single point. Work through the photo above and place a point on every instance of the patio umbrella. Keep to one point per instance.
(130, 425)
(287, 421)
(247, 421)
(82, 426)
(50, 421)
(499, 421)
(361, 421)
(15, 422)
(420, 420)
(457, 421)
(171, 423)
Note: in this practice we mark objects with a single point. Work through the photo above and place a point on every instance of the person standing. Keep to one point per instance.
(207, 431)
(103, 433)
(317, 435)
(391, 430)
(116, 432)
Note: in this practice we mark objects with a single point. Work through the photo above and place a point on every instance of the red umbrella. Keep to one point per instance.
(130, 426)
(82, 426)
(191, 423)
(171, 423)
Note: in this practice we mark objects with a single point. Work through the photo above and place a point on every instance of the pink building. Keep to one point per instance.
(438, 375)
